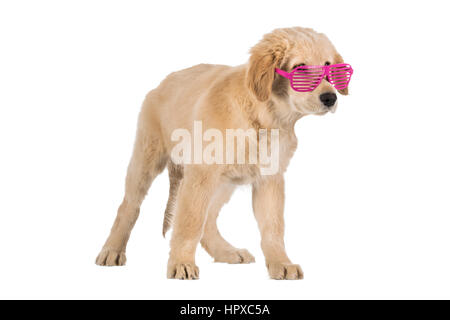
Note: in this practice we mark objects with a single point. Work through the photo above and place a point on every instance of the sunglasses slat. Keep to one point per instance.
(338, 79)
(307, 80)
(338, 82)
(338, 74)
(307, 75)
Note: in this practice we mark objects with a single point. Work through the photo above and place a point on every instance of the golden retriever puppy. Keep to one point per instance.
(220, 99)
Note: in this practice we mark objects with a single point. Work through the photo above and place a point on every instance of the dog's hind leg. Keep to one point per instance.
(148, 160)
(196, 192)
(175, 177)
(213, 242)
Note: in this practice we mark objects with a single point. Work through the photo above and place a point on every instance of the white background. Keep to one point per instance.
(367, 206)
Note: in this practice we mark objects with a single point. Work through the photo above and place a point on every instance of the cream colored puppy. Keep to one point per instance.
(250, 96)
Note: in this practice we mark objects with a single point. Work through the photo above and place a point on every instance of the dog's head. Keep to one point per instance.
(286, 49)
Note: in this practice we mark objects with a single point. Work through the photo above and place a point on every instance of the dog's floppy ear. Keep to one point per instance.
(265, 57)
(338, 59)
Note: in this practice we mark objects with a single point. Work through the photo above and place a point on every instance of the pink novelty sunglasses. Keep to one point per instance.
(308, 78)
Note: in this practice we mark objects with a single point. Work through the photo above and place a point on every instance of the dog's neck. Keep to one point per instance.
(285, 112)
(273, 113)
(276, 112)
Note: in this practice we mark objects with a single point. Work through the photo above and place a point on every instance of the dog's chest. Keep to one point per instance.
(288, 145)
(274, 161)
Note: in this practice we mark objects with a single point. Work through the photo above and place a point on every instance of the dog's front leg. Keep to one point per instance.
(195, 194)
(268, 206)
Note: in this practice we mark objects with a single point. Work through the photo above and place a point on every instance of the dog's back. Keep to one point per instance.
(181, 93)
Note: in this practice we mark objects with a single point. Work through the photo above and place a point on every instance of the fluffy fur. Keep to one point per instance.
(247, 96)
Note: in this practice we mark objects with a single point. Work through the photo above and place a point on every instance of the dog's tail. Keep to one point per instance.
(175, 177)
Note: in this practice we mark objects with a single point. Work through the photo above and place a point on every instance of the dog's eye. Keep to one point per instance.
(298, 65)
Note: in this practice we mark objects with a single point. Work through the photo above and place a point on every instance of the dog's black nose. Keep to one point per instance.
(328, 99)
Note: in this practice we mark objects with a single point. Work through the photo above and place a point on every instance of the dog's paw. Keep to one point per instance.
(183, 271)
(284, 271)
(235, 257)
(109, 257)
